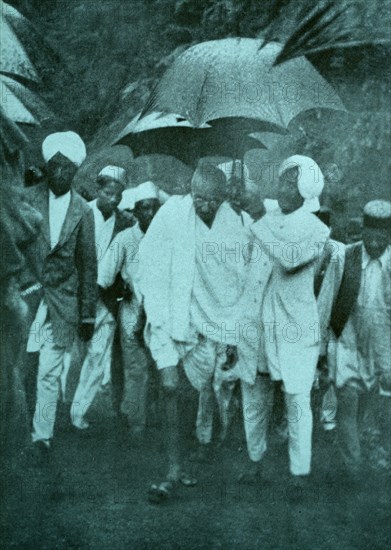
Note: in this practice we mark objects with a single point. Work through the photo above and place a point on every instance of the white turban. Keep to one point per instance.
(144, 191)
(68, 144)
(115, 172)
(310, 180)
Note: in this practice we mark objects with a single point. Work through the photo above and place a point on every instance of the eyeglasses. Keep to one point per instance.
(200, 201)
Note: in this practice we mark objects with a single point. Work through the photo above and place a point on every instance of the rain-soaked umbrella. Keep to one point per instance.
(14, 59)
(235, 77)
(167, 172)
(347, 41)
(11, 138)
(174, 136)
(327, 26)
(21, 104)
(20, 43)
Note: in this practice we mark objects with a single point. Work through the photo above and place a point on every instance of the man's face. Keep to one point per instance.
(60, 172)
(375, 241)
(206, 203)
(288, 196)
(145, 211)
(108, 197)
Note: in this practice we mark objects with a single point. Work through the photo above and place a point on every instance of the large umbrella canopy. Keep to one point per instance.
(169, 174)
(11, 138)
(21, 104)
(237, 77)
(174, 136)
(329, 26)
(14, 59)
(21, 42)
(348, 41)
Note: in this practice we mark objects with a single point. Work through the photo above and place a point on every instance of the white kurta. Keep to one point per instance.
(363, 350)
(122, 257)
(289, 313)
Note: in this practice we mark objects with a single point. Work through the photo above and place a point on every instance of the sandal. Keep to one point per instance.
(157, 494)
(187, 480)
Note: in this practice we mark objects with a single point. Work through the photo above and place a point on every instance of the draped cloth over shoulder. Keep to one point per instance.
(289, 314)
(217, 297)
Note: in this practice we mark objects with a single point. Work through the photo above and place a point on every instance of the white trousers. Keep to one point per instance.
(257, 403)
(137, 363)
(52, 358)
(257, 408)
(299, 416)
(95, 371)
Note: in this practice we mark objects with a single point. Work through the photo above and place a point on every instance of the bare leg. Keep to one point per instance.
(169, 383)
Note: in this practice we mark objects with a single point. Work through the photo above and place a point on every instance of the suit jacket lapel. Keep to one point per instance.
(41, 203)
(72, 218)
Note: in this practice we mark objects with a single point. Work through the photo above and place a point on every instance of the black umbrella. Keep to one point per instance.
(349, 43)
(174, 136)
(235, 77)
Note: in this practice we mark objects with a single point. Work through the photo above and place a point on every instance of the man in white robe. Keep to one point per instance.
(294, 239)
(200, 301)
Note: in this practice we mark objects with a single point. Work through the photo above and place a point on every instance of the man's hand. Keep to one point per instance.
(232, 357)
(324, 378)
(86, 330)
(169, 378)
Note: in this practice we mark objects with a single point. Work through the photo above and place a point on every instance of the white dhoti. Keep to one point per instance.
(96, 367)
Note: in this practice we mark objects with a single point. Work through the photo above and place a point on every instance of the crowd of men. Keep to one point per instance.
(210, 296)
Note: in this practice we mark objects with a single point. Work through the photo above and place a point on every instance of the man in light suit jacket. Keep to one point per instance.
(62, 268)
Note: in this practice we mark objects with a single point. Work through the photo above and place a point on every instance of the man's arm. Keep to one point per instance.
(86, 265)
(112, 262)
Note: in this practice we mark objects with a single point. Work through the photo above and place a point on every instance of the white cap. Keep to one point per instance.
(146, 190)
(127, 201)
(310, 180)
(115, 172)
(377, 214)
(68, 144)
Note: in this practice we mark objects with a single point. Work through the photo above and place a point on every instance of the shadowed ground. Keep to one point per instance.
(93, 496)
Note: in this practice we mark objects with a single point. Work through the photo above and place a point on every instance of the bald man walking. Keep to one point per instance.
(198, 296)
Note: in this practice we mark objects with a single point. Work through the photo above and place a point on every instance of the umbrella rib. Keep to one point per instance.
(199, 109)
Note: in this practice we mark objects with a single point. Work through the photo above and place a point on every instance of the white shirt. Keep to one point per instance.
(363, 350)
(58, 208)
(122, 257)
(103, 230)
